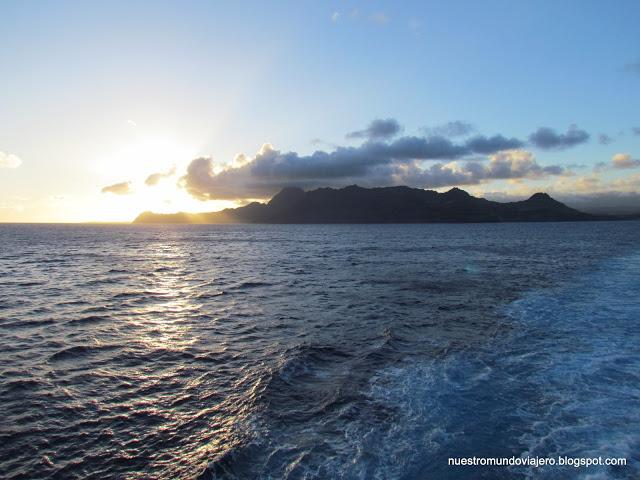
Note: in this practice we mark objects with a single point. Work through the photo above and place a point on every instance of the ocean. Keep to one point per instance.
(318, 351)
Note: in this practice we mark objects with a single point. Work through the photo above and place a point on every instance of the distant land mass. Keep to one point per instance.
(355, 204)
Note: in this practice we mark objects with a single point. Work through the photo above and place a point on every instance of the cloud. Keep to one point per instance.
(600, 167)
(379, 129)
(610, 202)
(430, 148)
(131, 123)
(606, 202)
(11, 206)
(511, 164)
(624, 160)
(382, 159)
(633, 67)
(8, 160)
(548, 139)
(415, 27)
(604, 139)
(586, 193)
(379, 18)
(155, 178)
(519, 164)
(400, 162)
(123, 188)
(457, 128)
(234, 183)
(636, 130)
(485, 145)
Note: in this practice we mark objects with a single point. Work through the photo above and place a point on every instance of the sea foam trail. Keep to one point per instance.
(565, 383)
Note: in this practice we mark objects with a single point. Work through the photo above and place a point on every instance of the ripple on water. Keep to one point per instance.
(309, 351)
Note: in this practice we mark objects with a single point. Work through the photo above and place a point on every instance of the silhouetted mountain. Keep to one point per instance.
(380, 205)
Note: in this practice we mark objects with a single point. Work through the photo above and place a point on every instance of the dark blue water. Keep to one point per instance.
(318, 351)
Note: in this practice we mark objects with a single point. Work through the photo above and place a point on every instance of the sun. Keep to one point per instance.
(145, 155)
(133, 163)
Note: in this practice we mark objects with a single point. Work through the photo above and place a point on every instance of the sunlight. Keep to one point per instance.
(167, 198)
(134, 163)
(162, 319)
(146, 155)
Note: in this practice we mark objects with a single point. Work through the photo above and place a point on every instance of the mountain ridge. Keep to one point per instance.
(400, 204)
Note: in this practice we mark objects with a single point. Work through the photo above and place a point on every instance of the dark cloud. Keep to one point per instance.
(155, 178)
(548, 139)
(604, 139)
(372, 164)
(379, 129)
(456, 128)
(380, 160)
(430, 148)
(486, 145)
(357, 161)
(635, 130)
(122, 188)
(441, 148)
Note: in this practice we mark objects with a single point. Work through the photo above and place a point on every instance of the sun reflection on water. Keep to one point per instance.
(165, 316)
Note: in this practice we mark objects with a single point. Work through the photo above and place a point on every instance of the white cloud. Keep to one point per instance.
(415, 27)
(122, 188)
(8, 160)
(155, 178)
(11, 206)
(379, 17)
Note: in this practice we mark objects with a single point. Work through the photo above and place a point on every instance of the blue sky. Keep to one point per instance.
(101, 93)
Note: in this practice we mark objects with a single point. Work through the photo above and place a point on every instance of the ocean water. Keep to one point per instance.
(318, 351)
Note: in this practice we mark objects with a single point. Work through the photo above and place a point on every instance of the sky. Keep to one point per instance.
(108, 109)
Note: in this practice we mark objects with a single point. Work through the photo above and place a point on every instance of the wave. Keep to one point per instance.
(103, 281)
(77, 351)
(209, 295)
(275, 359)
(247, 285)
(89, 319)
(564, 382)
(30, 323)
(22, 385)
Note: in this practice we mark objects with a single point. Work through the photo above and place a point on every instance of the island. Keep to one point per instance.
(356, 204)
